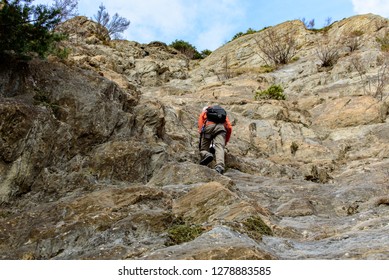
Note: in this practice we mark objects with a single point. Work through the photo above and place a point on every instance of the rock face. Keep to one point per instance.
(98, 152)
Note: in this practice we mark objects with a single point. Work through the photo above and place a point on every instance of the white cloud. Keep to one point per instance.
(379, 7)
(169, 16)
(215, 22)
(213, 38)
(203, 23)
(206, 24)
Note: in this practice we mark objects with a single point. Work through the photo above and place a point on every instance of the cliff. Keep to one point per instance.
(98, 151)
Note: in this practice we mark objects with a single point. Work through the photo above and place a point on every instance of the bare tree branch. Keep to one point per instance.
(278, 48)
(110, 27)
(67, 8)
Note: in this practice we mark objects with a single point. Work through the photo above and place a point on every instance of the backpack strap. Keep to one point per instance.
(202, 133)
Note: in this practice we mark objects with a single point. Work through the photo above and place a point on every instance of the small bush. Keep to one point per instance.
(237, 35)
(373, 84)
(61, 52)
(384, 42)
(256, 70)
(353, 40)
(277, 48)
(253, 226)
(178, 234)
(205, 53)
(257, 226)
(308, 24)
(186, 48)
(273, 92)
(328, 54)
(240, 34)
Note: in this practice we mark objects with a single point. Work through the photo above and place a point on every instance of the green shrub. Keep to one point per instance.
(205, 53)
(237, 35)
(256, 226)
(186, 48)
(253, 226)
(178, 234)
(240, 34)
(384, 42)
(273, 92)
(60, 52)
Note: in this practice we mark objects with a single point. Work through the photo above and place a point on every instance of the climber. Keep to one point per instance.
(214, 128)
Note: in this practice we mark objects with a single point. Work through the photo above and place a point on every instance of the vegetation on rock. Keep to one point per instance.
(384, 42)
(181, 233)
(186, 48)
(277, 47)
(273, 92)
(240, 34)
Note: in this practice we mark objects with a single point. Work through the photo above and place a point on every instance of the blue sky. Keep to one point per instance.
(209, 24)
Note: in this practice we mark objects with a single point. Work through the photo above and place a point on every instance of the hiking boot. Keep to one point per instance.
(219, 169)
(207, 159)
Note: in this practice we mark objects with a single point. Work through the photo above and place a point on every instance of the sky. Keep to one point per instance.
(207, 25)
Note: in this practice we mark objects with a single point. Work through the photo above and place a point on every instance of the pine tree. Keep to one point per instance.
(26, 29)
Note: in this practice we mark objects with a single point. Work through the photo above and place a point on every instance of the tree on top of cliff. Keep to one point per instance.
(114, 26)
(67, 8)
(187, 49)
(25, 28)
